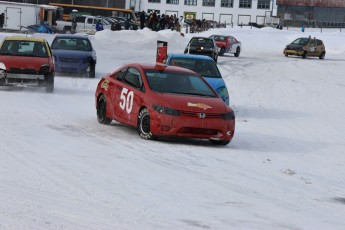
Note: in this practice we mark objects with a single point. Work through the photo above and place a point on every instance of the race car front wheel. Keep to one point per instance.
(49, 83)
(92, 70)
(101, 111)
(219, 142)
(144, 125)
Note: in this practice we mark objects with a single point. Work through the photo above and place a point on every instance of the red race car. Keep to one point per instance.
(166, 101)
(26, 61)
(227, 44)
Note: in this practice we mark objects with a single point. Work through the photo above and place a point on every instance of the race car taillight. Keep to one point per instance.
(228, 116)
(166, 110)
(44, 69)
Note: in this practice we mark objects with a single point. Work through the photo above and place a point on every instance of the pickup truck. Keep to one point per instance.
(85, 24)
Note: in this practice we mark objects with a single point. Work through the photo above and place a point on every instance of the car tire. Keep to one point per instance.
(305, 54)
(144, 125)
(49, 83)
(322, 55)
(222, 51)
(92, 70)
(219, 142)
(102, 111)
(238, 51)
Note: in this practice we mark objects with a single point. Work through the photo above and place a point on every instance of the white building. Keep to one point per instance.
(234, 12)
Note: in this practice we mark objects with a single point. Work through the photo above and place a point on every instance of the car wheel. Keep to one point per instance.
(322, 55)
(304, 55)
(238, 51)
(285, 53)
(49, 79)
(92, 70)
(219, 142)
(222, 51)
(102, 111)
(144, 125)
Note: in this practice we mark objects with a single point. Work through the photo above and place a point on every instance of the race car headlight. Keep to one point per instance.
(223, 93)
(166, 110)
(228, 116)
(44, 69)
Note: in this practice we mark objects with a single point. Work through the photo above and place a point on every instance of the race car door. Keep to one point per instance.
(130, 98)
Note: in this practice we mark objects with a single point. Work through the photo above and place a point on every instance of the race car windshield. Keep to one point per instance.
(301, 41)
(206, 68)
(178, 83)
(24, 48)
(202, 42)
(80, 44)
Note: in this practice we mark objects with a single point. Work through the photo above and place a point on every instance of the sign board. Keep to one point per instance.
(162, 52)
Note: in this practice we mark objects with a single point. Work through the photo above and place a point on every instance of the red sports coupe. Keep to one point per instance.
(164, 100)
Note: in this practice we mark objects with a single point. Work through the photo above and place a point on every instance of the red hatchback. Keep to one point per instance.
(227, 44)
(26, 61)
(164, 101)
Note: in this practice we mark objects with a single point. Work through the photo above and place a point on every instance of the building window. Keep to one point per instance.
(227, 3)
(154, 1)
(190, 2)
(208, 2)
(245, 3)
(172, 2)
(264, 4)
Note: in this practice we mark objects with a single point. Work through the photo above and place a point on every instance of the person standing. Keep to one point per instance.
(99, 26)
(142, 19)
(2, 20)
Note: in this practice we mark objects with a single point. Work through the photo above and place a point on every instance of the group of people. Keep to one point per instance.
(158, 22)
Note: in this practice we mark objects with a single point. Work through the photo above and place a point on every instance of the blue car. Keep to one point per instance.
(74, 54)
(206, 67)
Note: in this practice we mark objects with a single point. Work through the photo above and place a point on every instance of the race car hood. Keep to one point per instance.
(294, 47)
(20, 62)
(72, 54)
(194, 103)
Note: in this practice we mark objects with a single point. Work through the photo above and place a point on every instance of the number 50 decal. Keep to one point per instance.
(126, 100)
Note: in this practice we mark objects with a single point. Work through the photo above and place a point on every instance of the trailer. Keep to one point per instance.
(17, 16)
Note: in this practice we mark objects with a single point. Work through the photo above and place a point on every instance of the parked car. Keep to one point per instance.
(162, 100)
(206, 67)
(227, 44)
(132, 25)
(84, 24)
(74, 54)
(26, 61)
(202, 46)
(306, 47)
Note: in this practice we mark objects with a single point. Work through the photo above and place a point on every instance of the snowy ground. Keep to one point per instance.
(284, 169)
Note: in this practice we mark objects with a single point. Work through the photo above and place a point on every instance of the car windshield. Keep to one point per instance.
(202, 42)
(220, 38)
(178, 83)
(24, 48)
(301, 41)
(81, 44)
(206, 68)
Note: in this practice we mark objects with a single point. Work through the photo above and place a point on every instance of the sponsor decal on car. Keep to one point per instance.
(105, 84)
(199, 105)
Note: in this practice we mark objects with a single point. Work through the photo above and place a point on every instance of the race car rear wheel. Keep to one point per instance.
(219, 142)
(238, 51)
(144, 125)
(101, 111)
